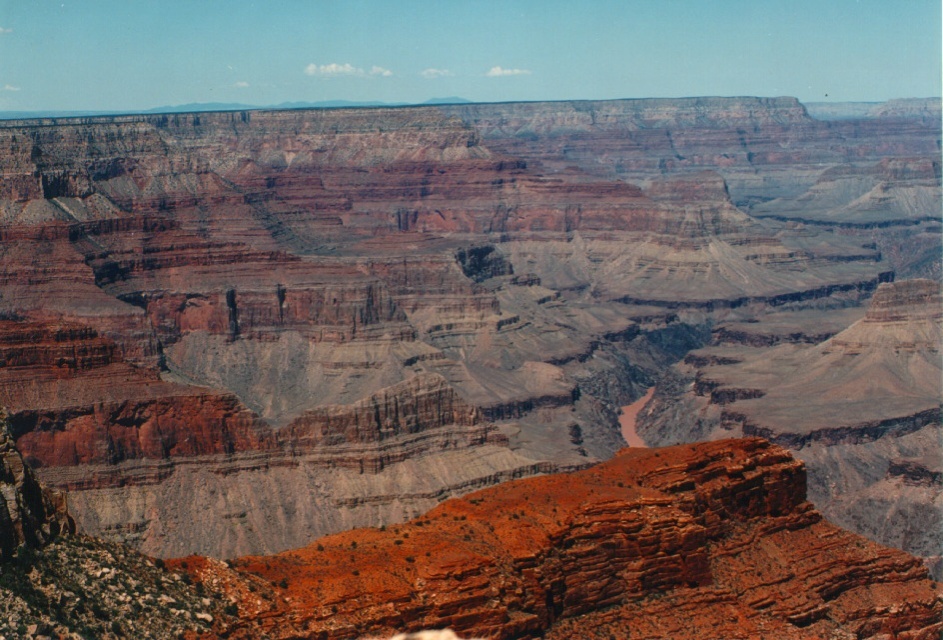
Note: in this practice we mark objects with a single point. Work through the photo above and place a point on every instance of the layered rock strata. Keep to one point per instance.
(710, 540)
(876, 169)
(761, 146)
(228, 277)
(867, 424)
(383, 459)
(74, 400)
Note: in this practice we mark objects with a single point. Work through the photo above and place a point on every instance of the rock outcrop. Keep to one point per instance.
(74, 400)
(709, 540)
(30, 514)
(381, 459)
(862, 408)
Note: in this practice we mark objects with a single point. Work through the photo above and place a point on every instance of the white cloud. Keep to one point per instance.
(435, 73)
(497, 72)
(335, 70)
(5, 31)
(10, 87)
(242, 84)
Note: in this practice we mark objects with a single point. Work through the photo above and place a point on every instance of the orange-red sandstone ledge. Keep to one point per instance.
(724, 524)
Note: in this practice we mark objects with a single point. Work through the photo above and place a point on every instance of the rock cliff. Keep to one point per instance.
(54, 583)
(30, 514)
(381, 459)
(221, 300)
(776, 161)
(709, 540)
(868, 423)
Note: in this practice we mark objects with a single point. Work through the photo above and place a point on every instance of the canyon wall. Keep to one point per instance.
(861, 407)
(708, 540)
(275, 305)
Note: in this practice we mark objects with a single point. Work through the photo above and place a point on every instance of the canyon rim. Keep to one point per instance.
(234, 333)
(406, 320)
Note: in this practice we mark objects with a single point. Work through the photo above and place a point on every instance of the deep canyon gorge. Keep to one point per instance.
(229, 334)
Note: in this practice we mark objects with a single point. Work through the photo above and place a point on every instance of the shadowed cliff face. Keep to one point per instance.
(208, 298)
(710, 540)
(30, 514)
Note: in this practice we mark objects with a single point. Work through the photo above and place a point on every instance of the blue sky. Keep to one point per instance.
(123, 55)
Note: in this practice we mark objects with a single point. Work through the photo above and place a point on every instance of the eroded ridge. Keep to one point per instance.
(635, 544)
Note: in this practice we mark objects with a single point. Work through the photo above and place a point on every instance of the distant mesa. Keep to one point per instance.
(926, 108)
(449, 100)
(198, 107)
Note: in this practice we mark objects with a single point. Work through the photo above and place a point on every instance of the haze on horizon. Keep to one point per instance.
(134, 55)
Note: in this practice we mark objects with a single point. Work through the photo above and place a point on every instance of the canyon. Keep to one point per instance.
(232, 333)
(869, 424)
(57, 583)
(714, 539)
(709, 540)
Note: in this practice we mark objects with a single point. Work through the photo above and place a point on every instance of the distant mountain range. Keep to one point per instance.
(227, 106)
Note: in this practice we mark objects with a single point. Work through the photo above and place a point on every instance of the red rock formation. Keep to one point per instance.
(136, 415)
(74, 400)
(164, 427)
(710, 540)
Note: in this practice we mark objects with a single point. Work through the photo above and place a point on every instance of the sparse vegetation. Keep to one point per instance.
(80, 587)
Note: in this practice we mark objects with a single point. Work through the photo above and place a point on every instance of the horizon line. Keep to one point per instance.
(339, 104)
